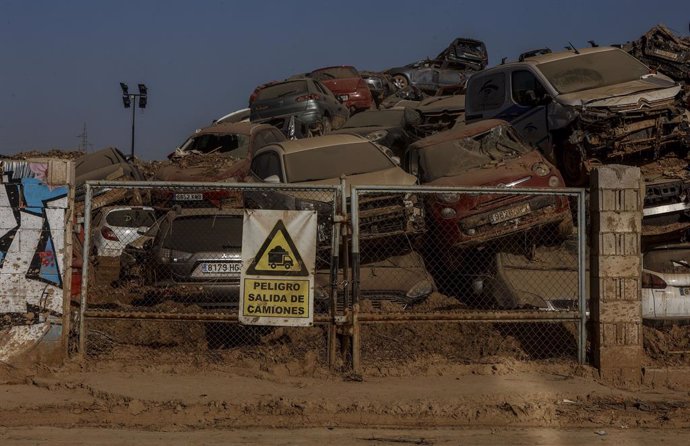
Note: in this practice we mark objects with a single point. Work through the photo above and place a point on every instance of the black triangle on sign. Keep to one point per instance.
(299, 270)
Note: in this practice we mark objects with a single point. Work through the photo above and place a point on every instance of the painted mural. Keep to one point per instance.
(32, 227)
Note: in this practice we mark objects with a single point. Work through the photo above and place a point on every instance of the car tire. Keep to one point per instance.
(326, 126)
(400, 81)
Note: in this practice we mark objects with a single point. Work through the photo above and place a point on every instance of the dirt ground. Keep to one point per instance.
(143, 400)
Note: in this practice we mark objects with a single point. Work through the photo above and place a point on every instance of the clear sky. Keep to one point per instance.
(61, 61)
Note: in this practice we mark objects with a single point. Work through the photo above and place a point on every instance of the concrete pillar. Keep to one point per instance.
(616, 202)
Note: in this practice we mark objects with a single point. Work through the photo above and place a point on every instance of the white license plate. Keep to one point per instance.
(684, 291)
(510, 214)
(220, 267)
(189, 197)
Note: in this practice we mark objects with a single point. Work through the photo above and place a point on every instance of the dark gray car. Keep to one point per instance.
(196, 255)
(306, 99)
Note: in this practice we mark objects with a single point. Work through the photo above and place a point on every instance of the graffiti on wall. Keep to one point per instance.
(32, 227)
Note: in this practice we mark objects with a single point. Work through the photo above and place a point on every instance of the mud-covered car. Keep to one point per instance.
(451, 67)
(324, 160)
(439, 113)
(488, 153)
(666, 282)
(589, 107)
(307, 99)
(393, 128)
(402, 279)
(380, 85)
(346, 84)
(195, 254)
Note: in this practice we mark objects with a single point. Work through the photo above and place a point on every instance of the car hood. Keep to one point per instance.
(512, 170)
(213, 169)
(441, 103)
(652, 89)
(393, 176)
(363, 131)
(342, 86)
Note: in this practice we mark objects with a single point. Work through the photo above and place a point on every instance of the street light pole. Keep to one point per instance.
(128, 98)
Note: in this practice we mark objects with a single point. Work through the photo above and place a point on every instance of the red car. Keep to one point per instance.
(347, 85)
(491, 154)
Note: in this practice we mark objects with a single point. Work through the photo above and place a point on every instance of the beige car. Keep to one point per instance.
(323, 160)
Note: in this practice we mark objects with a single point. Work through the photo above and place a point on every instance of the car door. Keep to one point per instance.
(528, 111)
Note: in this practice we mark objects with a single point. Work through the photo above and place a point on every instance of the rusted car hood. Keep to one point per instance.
(493, 175)
(209, 171)
(627, 93)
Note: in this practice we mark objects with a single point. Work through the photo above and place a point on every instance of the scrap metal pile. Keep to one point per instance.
(544, 120)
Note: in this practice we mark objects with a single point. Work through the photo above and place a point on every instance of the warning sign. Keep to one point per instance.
(278, 257)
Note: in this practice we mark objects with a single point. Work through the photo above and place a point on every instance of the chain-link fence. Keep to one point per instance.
(469, 273)
(162, 264)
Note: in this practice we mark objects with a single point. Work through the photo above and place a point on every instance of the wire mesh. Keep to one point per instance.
(503, 262)
(163, 263)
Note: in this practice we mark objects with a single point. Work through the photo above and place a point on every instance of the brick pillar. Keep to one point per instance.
(616, 201)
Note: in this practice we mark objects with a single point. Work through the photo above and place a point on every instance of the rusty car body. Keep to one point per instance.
(488, 153)
(588, 107)
(663, 50)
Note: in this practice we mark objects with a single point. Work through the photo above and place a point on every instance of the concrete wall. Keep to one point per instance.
(35, 216)
(616, 197)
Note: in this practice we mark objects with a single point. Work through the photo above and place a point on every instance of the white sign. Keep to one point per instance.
(278, 258)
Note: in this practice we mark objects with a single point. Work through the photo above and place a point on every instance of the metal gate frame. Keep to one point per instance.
(579, 317)
(338, 219)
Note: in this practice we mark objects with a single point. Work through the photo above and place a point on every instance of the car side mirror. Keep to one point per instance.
(272, 179)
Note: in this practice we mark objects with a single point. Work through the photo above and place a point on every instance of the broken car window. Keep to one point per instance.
(670, 261)
(455, 157)
(334, 73)
(526, 88)
(234, 144)
(592, 70)
(282, 90)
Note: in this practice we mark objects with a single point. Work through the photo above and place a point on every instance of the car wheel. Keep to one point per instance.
(400, 81)
(325, 125)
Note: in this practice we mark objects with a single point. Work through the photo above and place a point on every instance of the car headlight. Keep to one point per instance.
(449, 197)
(377, 135)
(540, 169)
(554, 181)
(420, 290)
(448, 213)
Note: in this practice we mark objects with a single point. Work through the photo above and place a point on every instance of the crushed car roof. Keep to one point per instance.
(550, 57)
(465, 131)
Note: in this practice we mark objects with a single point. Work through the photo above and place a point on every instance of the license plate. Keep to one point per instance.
(220, 267)
(509, 214)
(685, 291)
(189, 197)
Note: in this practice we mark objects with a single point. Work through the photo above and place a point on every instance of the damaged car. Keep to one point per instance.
(324, 160)
(666, 282)
(451, 67)
(307, 99)
(393, 128)
(661, 49)
(588, 107)
(488, 153)
(347, 85)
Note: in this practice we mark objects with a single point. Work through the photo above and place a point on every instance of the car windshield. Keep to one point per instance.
(204, 233)
(282, 90)
(592, 70)
(131, 218)
(334, 161)
(669, 261)
(231, 143)
(376, 118)
(456, 157)
(334, 73)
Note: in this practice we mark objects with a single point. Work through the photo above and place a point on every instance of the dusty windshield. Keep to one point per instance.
(376, 118)
(199, 233)
(456, 157)
(282, 90)
(229, 143)
(333, 161)
(592, 70)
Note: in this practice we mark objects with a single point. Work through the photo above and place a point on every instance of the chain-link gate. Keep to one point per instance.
(467, 273)
(161, 271)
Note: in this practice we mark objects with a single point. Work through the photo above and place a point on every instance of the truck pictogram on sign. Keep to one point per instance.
(278, 255)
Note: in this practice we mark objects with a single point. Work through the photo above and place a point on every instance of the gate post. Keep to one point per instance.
(617, 196)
